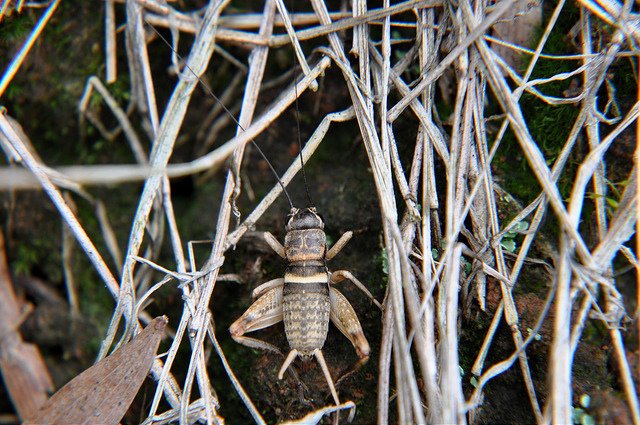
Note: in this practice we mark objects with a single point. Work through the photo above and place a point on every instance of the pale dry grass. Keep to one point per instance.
(419, 327)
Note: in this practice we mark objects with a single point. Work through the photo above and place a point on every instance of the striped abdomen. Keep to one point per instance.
(305, 305)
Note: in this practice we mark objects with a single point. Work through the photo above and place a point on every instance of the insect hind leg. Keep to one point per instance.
(264, 312)
(327, 375)
(344, 317)
(323, 365)
(355, 367)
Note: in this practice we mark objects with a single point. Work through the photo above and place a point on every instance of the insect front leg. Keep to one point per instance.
(264, 312)
(345, 319)
(340, 243)
(274, 244)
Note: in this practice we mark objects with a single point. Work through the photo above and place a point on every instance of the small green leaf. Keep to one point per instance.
(585, 400)
(466, 265)
(588, 420)
(508, 244)
(385, 262)
(537, 336)
(474, 381)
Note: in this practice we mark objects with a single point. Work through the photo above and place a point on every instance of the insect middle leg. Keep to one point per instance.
(341, 275)
(266, 287)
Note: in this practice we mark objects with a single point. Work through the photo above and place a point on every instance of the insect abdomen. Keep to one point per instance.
(306, 306)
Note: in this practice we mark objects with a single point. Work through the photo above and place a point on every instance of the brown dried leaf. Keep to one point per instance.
(25, 374)
(102, 394)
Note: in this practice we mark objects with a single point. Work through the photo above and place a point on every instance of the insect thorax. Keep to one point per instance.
(305, 245)
(305, 239)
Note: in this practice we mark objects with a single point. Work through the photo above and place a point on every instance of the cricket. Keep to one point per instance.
(304, 299)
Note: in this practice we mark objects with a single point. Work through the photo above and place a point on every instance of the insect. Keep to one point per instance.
(304, 299)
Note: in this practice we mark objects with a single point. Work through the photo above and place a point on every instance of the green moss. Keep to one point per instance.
(549, 125)
(15, 29)
(98, 309)
(26, 258)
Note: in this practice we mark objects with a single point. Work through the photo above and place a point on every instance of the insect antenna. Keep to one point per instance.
(224, 107)
(304, 175)
(295, 88)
